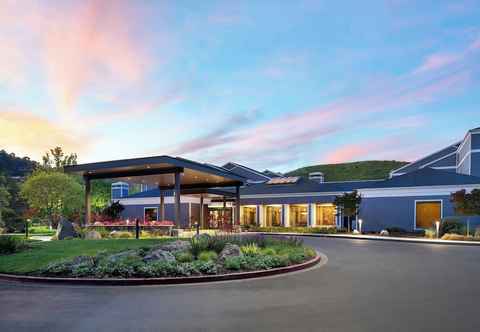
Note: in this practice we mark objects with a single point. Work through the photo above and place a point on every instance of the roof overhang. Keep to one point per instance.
(159, 171)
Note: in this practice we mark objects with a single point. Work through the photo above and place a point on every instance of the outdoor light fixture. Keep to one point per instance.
(128, 221)
(437, 226)
(360, 221)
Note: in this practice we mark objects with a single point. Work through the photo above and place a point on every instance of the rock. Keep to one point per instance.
(230, 250)
(175, 246)
(83, 260)
(159, 255)
(93, 235)
(121, 255)
(384, 232)
(97, 223)
(355, 231)
(65, 229)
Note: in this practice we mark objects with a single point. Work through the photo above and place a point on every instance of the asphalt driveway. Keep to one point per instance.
(365, 286)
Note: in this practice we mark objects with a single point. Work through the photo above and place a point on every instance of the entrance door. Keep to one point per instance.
(427, 213)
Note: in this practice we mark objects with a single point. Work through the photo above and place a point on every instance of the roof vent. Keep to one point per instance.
(316, 176)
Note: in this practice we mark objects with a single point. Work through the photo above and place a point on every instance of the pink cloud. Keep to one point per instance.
(349, 153)
(437, 61)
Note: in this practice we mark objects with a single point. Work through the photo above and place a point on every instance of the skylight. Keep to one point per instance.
(284, 180)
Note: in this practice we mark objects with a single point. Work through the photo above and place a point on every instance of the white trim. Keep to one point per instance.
(150, 207)
(156, 200)
(415, 191)
(466, 155)
(438, 159)
(289, 195)
(415, 210)
(444, 167)
(465, 139)
(372, 180)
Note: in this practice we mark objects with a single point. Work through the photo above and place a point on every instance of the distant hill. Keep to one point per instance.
(11, 165)
(360, 170)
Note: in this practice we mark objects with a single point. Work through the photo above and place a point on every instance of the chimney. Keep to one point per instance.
(316, 176)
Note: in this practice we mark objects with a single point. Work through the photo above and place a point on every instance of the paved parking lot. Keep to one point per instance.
(365, 286)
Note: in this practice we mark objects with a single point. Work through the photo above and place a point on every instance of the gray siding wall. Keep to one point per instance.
(475, 164)
(475, 141)
(383, 212)
(136, 211)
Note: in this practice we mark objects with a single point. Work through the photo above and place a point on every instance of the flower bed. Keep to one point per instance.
(202, 256)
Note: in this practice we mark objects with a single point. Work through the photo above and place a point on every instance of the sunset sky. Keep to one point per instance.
(269, 84)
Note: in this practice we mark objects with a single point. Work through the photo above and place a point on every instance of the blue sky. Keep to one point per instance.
(270, 84)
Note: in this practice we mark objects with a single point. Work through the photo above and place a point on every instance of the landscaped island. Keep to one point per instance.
(114, 258)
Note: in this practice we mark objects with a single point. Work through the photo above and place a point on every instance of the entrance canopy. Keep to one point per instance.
(164, 172)
(159, 171)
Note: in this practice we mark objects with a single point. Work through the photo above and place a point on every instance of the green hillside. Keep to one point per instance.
(360, 170)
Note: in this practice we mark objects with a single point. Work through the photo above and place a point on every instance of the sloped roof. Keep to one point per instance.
(304, 185)
(246, 172)
(428, 177)
(417, 164)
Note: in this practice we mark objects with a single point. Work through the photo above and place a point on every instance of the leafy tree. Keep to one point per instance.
(101, 193)
(466, 203)
(56, 159)
(4, 198)
(53, 194)
(349, 204)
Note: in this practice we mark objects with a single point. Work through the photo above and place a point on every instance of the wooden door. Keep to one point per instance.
(427, 213)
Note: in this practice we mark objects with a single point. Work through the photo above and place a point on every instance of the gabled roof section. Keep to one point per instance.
(428, 160)
(246, 172)
(428, 177)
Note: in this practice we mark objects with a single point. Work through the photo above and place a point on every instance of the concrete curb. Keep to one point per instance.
(378, 238)
(165, 281)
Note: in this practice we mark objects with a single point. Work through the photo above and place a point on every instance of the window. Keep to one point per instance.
(273, 215)
(151, 214)
(299, 215)
(249, 216)
(325, 215)
(426, 213)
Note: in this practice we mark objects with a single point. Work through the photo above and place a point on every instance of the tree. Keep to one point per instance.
(56, 159)
(349, 204)
(4, 198)
(101, 194)
(53, 194)
(466, 203)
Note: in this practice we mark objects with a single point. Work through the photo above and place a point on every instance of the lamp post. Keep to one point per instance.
(437, 227)
(360, 221)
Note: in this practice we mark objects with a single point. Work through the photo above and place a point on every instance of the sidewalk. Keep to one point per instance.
(380, 238)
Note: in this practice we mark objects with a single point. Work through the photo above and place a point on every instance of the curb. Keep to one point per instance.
(377, 238)
(164, 281)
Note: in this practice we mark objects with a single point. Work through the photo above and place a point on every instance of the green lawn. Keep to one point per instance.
(42, 253)
(41, 230)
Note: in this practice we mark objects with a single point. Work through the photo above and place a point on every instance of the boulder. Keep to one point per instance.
(82, 260)
(159, 255)
(121, 255)
(175, 246)
(355, 231)
(384, 232)
(65, 229)
(230, 250)
(93, 235)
